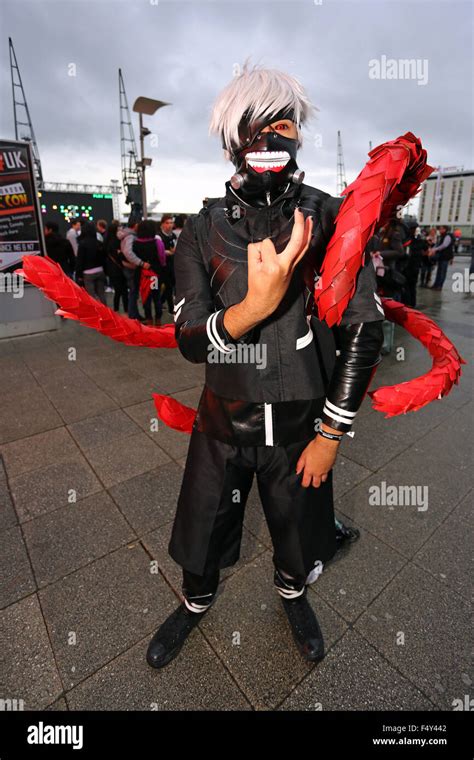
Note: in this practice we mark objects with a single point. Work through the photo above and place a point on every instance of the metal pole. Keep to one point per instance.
(142, 153)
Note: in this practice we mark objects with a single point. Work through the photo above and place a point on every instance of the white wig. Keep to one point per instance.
(260, 92)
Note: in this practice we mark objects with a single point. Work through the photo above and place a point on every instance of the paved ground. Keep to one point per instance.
(88, 581)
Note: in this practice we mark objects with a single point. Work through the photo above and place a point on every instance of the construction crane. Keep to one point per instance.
(21, 115)
(341, 172)
(131, 171)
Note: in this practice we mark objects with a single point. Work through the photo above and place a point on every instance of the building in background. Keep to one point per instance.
(447, 198)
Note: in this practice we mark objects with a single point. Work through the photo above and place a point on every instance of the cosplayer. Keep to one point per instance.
(245, 273)
(276, 292)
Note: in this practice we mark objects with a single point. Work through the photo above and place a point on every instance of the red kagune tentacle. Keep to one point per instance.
(389, 179)
(390, 399)
(174, 414)
(76, 303)
(438, 382)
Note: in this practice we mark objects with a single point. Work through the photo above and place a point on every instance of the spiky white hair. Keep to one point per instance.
(260, 92)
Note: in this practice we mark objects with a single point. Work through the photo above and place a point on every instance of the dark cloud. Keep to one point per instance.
(184, 53)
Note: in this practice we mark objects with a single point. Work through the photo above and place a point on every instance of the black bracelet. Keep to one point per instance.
(331, 436)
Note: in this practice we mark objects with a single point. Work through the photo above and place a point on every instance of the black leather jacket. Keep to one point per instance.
(269, 386)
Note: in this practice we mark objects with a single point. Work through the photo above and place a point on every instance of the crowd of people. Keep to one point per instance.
(120, 258)
(134, 261)
(405, 258)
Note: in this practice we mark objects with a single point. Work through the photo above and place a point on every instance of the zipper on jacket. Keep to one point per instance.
(269, 198)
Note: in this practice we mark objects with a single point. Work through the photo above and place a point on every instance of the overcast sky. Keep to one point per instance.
(185, 52)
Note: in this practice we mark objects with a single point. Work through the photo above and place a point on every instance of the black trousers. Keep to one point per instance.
(168, 280)
(207, 529)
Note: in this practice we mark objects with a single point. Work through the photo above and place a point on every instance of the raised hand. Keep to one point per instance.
(269, 273)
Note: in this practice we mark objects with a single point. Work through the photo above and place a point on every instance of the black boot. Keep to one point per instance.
(305, 627)
(170, 637)
(345, 537)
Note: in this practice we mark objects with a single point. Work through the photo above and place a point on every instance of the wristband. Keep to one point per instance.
(330, 436)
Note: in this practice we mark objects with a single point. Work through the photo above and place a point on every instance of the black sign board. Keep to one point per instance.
(21, 230)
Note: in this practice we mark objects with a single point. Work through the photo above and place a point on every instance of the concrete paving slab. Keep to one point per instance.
(406, 525)
(8, 516)
(57, 485)
(37, 451)
(26, 412)
(454, 539)
(16, 574)
(103, 429)
(28, 668)
(424, 630)
(129, 683)
(124, 458)
(70, 537)
(354, 676)
(351, 583)
(103, 609)
(149, 500)
(251, 634)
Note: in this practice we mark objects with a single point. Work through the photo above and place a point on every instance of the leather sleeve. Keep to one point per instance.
(359, 356)
(199, 326)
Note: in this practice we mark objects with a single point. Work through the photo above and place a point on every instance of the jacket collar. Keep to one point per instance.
(233, 199)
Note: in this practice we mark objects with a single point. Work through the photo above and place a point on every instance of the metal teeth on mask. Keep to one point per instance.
(269, 155)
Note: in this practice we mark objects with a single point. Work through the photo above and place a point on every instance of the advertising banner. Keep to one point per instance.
(20, 222)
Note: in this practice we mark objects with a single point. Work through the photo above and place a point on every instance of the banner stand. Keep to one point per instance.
(23, 308)
(30, 314)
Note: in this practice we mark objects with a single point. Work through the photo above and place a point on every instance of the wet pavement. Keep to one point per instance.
(88, 490)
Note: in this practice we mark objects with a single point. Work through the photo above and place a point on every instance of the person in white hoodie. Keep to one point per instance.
(73, 233)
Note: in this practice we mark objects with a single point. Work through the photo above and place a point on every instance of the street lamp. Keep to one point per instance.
(146, 106)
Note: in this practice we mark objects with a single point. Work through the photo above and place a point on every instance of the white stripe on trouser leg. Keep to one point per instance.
(193, 607)
(289, 593)
(286, 591)
(268, 425)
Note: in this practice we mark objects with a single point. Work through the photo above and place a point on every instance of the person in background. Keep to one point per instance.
(179, 223)
(387, 247)
(169, 239)
(73, 233)
(417, 253)
(114, 266)
(428, 263)
(101, 227)
(444, 253)
(132, 264)
(59, 249)
(90, 263)
(150, 249)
